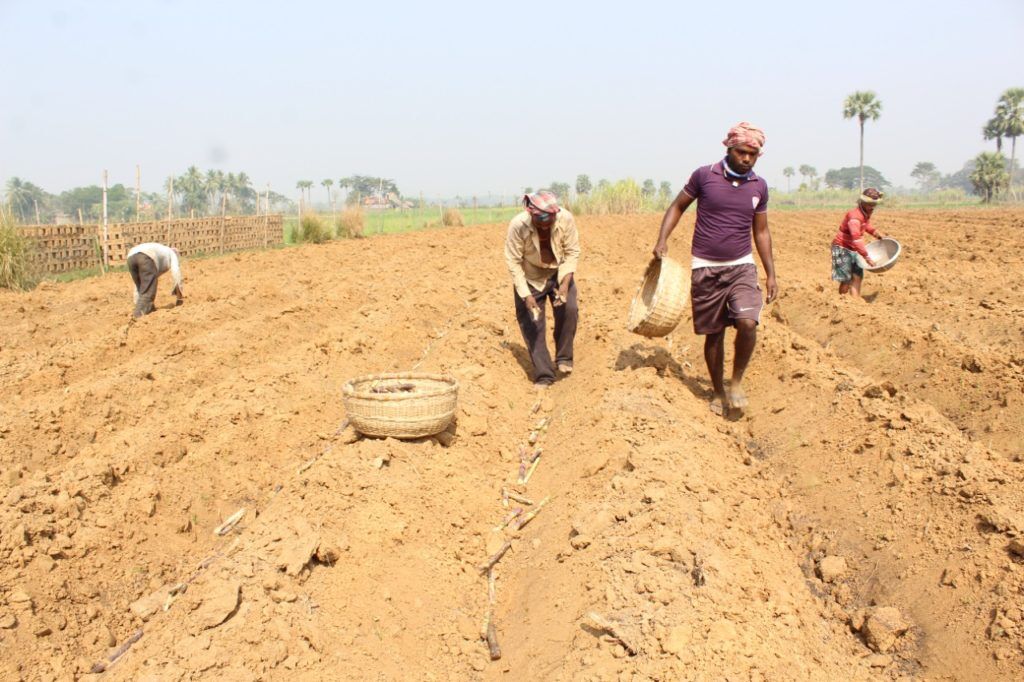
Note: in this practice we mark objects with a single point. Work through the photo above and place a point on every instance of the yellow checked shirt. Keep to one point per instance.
(522, 251)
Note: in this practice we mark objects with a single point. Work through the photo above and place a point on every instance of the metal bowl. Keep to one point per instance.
(884, 252)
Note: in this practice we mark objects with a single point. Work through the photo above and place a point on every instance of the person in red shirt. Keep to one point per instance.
(849, 242)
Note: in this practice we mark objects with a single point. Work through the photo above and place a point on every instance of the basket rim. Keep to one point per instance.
(349, 390)
(882, 268)
(630, 326)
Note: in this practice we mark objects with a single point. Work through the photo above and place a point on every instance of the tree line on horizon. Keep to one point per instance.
(989, 175)
(193, 193)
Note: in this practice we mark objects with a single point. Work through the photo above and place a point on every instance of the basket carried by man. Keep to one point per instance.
(660, 302)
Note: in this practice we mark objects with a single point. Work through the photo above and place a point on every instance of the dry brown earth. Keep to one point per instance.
(864, 520)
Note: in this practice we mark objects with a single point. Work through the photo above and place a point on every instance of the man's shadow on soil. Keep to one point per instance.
(521, 355)
(639, 355)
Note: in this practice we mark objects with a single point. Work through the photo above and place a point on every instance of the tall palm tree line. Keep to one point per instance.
(863, 105)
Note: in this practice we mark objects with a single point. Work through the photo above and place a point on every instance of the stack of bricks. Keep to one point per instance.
(64, 248)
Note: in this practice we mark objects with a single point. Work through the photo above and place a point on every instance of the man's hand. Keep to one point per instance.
(660, 249)
(531, 305)
(772, 288)
(562, 293)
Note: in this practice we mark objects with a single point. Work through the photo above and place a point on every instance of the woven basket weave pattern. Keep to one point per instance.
(428, 409)
(660, 303)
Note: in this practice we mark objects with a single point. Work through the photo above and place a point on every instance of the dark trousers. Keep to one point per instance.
(566, 316)
(144, 273)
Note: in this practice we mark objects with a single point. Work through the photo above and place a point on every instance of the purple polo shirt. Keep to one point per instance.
(725, 213)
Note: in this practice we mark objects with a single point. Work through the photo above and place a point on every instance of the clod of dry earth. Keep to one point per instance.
(886, 435)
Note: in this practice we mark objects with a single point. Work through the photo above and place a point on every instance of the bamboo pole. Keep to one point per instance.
(106, 226)
(223, 219)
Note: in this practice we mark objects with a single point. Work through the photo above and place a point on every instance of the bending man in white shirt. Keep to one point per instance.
(146, 262)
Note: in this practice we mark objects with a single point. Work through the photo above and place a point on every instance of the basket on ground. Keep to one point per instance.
(660, 302)
(401, 405)
(884, 252)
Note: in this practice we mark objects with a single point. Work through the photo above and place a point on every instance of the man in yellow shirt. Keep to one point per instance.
(541, 250)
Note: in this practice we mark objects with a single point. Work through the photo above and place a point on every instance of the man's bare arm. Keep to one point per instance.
(668, 223)
(763, 242)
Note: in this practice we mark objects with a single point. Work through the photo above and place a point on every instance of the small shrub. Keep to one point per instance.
(313, 229)
(16, 270)
(452, 217)
(351, 223)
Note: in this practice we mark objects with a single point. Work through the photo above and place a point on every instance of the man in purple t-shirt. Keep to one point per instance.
(732, 202)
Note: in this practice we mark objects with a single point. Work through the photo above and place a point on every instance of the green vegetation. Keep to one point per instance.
(624, 196)
(1008, 121)
(394, 221)
(789, 173)
(927, 176)
(583, 185)
(192, 192)
(314, 230)
(811, 173)
(360, 186)
(16, 271)
(848, 178)
(989, 174)
(838, 199)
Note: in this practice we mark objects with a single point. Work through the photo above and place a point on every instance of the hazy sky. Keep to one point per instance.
(474, 98)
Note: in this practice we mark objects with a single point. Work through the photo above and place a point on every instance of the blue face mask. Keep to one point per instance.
(730, 173)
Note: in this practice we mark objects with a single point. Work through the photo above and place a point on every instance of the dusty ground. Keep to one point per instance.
(860, 522)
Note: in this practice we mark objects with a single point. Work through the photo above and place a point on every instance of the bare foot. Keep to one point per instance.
(738, 397)
(717, 406)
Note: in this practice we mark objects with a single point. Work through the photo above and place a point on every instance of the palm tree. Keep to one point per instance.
(327, 185)
(989, 174)
(862, 105)
(303, 186)
(789, 173)
(242, 190)
(192, 189)
(810, 172)
(1010, 112)
(23, 196)
(215, 186)
(994, 130)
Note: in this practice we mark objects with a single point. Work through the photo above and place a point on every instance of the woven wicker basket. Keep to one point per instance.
(401, 405)
(660, 303)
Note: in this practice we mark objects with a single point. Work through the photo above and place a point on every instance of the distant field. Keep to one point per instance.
(399, 221)
(406, 220)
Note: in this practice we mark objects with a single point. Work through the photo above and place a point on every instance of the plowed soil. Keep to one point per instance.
(863, 520)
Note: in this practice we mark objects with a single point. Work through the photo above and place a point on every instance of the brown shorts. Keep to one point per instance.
(722, 295)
